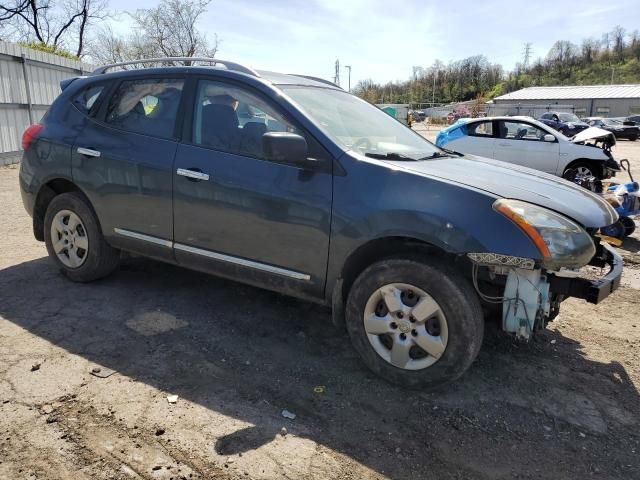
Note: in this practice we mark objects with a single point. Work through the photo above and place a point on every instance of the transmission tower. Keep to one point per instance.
(526, 55)
(336, 77)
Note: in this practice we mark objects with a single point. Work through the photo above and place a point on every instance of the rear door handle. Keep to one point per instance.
(194, 174)
(88, 152)
(504, 144)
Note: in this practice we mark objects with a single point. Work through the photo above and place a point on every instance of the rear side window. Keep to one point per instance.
(87, 100)
(480, 129)
(147, 106)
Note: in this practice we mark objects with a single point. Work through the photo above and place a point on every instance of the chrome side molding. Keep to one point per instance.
(143, 237)
(243, 261)
(214, 255)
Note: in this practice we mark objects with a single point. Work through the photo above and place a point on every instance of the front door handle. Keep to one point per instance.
(192, 173)
(504, 144)
(87, 152)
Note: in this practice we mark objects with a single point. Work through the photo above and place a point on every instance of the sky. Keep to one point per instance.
(383, 40)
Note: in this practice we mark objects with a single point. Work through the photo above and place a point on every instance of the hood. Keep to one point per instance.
(510, 181)
(594, 133)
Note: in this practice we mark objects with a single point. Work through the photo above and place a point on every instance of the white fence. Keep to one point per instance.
(29, 82)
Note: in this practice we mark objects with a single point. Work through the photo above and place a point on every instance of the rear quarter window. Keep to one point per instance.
(87, 100)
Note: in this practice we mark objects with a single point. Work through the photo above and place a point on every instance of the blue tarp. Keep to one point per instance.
(452, 132)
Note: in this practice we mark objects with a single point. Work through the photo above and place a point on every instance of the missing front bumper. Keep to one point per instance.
(593, 291)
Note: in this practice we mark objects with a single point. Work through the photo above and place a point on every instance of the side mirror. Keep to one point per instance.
(285, 147)
(549, 138)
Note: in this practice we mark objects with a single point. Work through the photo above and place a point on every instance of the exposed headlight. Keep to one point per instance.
(560, 241)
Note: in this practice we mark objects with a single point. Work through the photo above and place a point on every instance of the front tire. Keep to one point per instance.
(416, 324)
(74, 239)
(582, 169)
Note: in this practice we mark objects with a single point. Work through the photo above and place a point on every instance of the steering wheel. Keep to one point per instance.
(363, 144)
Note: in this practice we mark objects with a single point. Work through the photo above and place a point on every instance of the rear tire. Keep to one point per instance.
(449, 324)
(74, 239)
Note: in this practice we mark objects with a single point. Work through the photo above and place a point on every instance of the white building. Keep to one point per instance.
(585, 101)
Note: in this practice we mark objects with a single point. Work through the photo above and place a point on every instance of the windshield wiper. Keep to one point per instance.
(389, 156)
(437, 155)
(452, 152)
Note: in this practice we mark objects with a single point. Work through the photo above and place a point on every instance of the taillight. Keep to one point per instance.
(30, 133)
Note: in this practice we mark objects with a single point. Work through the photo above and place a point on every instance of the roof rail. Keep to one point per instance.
(236, 67)
(316, 79)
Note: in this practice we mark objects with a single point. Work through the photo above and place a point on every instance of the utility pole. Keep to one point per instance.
(348, 67)
(612, 70)
(336, 78)
(433, 96)
(526, 55)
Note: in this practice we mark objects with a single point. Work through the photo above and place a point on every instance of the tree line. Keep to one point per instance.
(613, 58)
(78, 29)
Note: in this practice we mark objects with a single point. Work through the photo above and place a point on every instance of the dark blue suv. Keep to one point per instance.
(566, 123)
(289, 183)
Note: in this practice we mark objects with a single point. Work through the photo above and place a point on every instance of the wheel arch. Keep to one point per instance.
(598, 165)
(373, 251)
(47, 192)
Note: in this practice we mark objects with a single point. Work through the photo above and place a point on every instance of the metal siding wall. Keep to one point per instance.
(44, 86)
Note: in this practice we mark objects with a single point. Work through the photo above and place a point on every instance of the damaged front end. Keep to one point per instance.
(531, 295)
(602, 139)
(527, 292)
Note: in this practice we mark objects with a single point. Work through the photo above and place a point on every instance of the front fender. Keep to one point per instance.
(373, 201)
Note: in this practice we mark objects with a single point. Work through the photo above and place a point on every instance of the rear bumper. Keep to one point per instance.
(593, 291)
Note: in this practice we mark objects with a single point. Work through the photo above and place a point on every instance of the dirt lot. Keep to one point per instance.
(85, 371)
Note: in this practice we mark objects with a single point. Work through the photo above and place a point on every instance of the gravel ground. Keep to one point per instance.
(86, 372)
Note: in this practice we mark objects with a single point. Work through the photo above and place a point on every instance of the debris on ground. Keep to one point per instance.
(35, 366)
(159, 431)
(101, 372)
(319, 389)
(288, 414)
(172, 399)
(47, 409)
(284, 431)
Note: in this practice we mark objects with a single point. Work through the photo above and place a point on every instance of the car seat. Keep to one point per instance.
(219, 126)
(163, 116)
(251, 138)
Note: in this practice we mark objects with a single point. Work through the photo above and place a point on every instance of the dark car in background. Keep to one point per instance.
(634, 118)
(617, 127)
(566, 123)
(289, 183)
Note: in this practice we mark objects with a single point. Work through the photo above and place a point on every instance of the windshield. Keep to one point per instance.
(358, 125)
(568, 117)
(610, 121)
